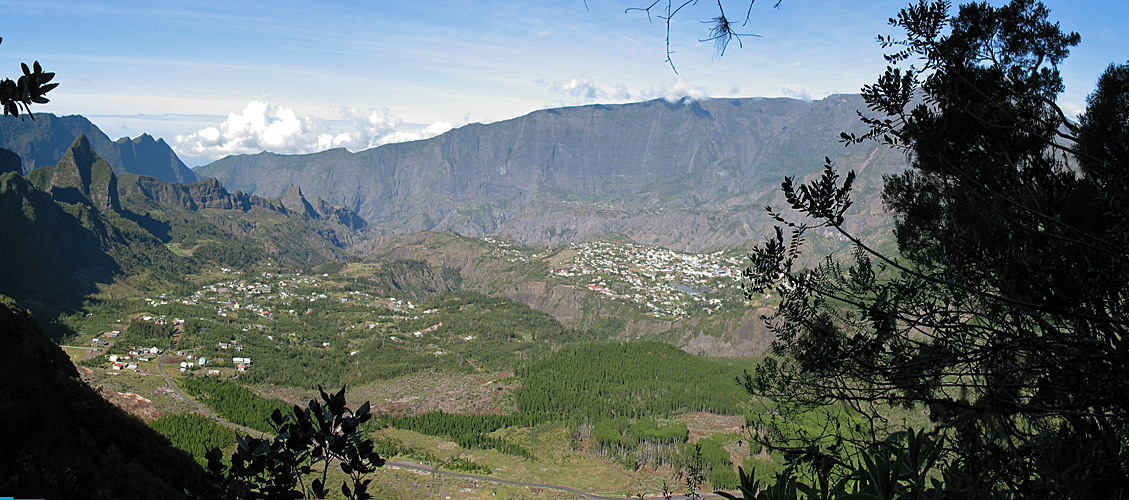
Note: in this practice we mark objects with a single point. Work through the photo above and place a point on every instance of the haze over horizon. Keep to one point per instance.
(214, 79)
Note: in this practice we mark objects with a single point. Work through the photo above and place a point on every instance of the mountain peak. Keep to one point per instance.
(80, 177)
(294, 202)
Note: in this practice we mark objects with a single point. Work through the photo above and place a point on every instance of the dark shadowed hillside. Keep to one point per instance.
(76, 227)
(65, 233)
(62, 440)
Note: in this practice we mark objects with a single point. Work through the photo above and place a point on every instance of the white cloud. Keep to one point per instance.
(1072, 109)
(264, 126)
(622, 93)
(679, 91)
(582, 90)
(801, 94)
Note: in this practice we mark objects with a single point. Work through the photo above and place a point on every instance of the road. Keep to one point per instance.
(404, 464)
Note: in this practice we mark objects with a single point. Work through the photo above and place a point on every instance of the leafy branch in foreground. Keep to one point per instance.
(306, 443)
(888, 470)
(27, 90)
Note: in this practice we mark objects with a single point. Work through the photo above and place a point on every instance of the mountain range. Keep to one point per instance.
(41, 139)
(90, 221)
(75, 228)
(688, 175)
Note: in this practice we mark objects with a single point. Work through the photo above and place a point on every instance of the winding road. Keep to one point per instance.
(405, 464)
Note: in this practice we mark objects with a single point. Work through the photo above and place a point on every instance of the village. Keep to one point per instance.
(241, 302)
(661, 282)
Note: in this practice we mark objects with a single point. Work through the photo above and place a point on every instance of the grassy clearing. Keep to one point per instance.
(76, 354)
(151, 387)
(557, 462)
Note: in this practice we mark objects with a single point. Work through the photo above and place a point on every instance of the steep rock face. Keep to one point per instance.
(44, 249)
(62, 440)
(42, 141)
(412, 278)
(652, 171)
(341, 215)
(205, 194)
(296, 204)
(54, 254)
(291, 229)
(210, 194)
(65, 233)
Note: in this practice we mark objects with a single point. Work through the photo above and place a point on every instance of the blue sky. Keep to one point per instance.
(216, 78)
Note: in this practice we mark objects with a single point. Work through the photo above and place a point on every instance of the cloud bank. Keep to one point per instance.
(581, 90)
(801, 94)
(264, 126)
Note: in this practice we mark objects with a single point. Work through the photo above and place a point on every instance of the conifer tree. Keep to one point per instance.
(1005, 314)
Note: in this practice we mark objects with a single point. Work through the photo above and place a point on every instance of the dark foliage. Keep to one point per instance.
(193, 433)
(1005, 314)
(469, 431)
(307, 441)
(149, 330)
(233, 401)
(604, 380)
(27, 90)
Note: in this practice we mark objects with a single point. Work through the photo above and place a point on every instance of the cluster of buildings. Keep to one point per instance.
(283, 296)
(662, 282)
(129, 361)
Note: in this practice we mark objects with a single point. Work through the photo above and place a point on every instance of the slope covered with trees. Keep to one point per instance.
(636, 379)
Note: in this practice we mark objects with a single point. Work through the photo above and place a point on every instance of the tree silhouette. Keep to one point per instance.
(1005, 314)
